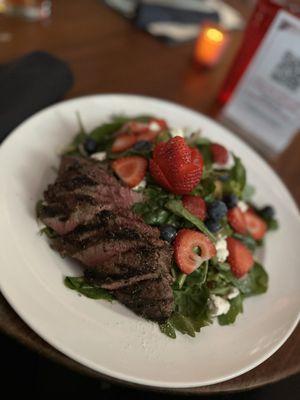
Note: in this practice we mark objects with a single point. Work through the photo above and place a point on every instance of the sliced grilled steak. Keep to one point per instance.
(90, 210)
(83, 188)
(153, 299)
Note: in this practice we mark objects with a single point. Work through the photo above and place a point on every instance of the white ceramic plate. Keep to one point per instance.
(108, 337)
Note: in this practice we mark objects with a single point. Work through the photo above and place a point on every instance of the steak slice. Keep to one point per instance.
(152, 299)
(90, 210)
(134, 263)
(83, 188)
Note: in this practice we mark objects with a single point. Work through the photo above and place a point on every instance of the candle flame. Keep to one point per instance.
(215, 35)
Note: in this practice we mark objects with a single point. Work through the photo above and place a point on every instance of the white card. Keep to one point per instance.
(266, 102)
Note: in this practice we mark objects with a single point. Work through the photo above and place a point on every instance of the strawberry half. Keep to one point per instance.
(185, 244)
(148, 135)
(240, 258)
(130, 170)
(195, 205)
(255, 225)
(180, 166)
(236, 220)
(123, 142)
(219, 153)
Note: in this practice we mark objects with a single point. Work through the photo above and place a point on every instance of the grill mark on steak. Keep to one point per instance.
(90, 210)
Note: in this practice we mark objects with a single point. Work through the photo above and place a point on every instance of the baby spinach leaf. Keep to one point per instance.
(236, 307)
(182, 324)
(246, 240)
(168, 329)
(177, 208)
(198, 277)
(248, 192)
(81, 286)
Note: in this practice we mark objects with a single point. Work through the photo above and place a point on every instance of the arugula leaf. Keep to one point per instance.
(198, 277)
(254, 283)
(206, 189)
(238, 173)
(168, 329)
(177, 208)
(236, 307)
(182, 324)
(103, 133)
(81, 286)
(248, 241)
(190, 301)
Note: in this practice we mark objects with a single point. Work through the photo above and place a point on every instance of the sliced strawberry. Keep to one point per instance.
(236, 220)
(240, 258)
(195, 205)
(219, 153)
(148, 135)
(186, 243)
(130, 170)
(123, 142)
(158, 175)
(161, 122)
(255, 225)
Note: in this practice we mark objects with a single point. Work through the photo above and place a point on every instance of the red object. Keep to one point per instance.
(240, 258)
(219, 153)
(236, 220)
(257, 27)
(195, 205)
(184, 250)
(176, 166)
(130, 170)
(256, 226)
(123, 142)
(149, 136)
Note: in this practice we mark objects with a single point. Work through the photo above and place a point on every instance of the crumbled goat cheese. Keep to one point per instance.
(222, 251)
(100, 156)
(141, 185)
(242, 206)
(218, 306)
(233, 293)
(154, 126)
(177, 132)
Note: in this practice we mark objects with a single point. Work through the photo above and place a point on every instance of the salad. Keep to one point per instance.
(196, 193)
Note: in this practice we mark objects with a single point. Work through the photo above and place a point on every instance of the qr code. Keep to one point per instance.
(287, 72)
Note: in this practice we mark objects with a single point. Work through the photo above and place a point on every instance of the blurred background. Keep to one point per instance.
(237, 61)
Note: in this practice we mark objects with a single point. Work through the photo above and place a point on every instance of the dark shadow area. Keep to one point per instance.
(25, 372)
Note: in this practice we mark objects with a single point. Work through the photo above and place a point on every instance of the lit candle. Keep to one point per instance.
(210, 45)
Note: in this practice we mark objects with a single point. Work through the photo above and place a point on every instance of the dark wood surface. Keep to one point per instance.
(109, 55)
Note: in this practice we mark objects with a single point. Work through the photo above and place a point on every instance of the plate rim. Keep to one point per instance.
(120, 376)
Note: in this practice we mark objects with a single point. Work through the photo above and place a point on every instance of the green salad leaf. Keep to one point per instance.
(81, 286)
(168, 329)
(49, 232)
(177, 208)
(236, 307)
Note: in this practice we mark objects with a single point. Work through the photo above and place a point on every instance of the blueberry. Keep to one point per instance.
(168, 233)
(90, 145)
(143, 145)
(217, 210)
(267, 212)
(230, 200)
(212, 225)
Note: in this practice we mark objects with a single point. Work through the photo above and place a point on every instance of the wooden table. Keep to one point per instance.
(109, 55)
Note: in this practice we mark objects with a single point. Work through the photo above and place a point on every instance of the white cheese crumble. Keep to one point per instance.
(100, 156)
(242, 206)
(222, 251)
(177, 132)
(218, 306)
(141, 185)
(154, 126)
(233, 293)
